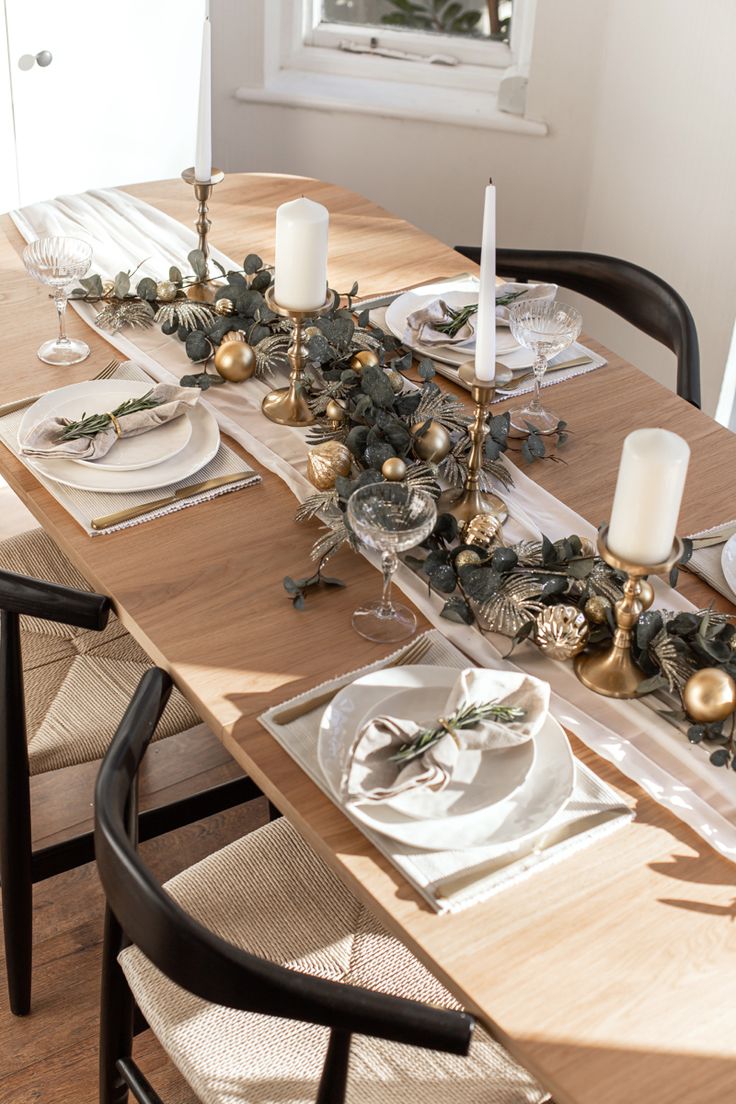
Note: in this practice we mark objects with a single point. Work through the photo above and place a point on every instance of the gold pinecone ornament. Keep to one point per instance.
(225, 306)
(325, 462)
(561, 631)
(483, 530)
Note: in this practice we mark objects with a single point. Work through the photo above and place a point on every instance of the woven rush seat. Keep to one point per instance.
(268, 893)
(78, 683)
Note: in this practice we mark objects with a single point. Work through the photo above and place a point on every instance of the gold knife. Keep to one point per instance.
(177, 496)
(514, 383)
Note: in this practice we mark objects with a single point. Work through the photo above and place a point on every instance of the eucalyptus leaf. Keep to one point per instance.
(146, 289)
(92, 284)
(121, 285)
(199, 265)
(457, 609)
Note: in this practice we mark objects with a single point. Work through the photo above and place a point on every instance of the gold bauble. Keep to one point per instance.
(467, 558)
(483, 530)
(108, 287)
(363, 359)
(201, 293)
(225, 306)
(235, 361)
(561, 631)
(596, 609)
(325, 462)
(396, 380)
(434, 444)
(709, 695)
(334, 411)
(393, 469)
(166, 291)
(646, 593)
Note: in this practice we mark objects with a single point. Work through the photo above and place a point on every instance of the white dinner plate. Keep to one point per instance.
(544, 792)
(728, 563)
(199, 450)
(456, 295)
(479, 779)
(129, 453)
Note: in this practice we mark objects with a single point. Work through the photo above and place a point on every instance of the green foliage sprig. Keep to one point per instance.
(468, 716)
(92, 424)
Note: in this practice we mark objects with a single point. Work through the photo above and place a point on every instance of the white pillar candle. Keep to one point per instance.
(485, 319)
(301, 254)
(646, 505)
(203, 156)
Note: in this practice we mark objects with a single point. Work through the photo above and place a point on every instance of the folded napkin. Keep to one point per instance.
(421, 325)
(44, 438)
(372, 774)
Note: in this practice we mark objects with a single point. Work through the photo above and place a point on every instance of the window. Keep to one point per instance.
(490, 19)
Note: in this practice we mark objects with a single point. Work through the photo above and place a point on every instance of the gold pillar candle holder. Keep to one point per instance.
(287, 405)
(202, 193)
(470, 501)
(611, 671)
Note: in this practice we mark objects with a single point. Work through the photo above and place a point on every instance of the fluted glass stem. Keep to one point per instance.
(389, 563)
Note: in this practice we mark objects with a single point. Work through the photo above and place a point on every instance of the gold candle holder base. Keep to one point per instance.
(612, 671)
(202, 193)
(470, 501)
(287, 405)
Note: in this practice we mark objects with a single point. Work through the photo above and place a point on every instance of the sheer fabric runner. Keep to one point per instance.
(122, 231)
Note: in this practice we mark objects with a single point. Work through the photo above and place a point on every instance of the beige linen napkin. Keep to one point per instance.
(44, 439)
(421, 324)
(373, 775)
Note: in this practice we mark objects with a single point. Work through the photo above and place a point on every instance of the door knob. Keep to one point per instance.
(42, 58)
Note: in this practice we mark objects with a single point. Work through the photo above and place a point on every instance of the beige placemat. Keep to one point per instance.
(706, 562)
(86, 505)
(453, 880)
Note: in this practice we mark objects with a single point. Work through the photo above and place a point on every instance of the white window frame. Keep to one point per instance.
(289, 65)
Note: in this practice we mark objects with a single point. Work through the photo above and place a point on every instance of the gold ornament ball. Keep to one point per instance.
(225, 306)
(325, 462)
(396, 380)
(166, 291)
(235, 361)
(646, 593)
(561, 631)
(467, 558)
(483, 530)
(393, 469)
(709, 695)
(434, 444)
(201, 293)
(596, 609)
(334, 411)
(364, 359)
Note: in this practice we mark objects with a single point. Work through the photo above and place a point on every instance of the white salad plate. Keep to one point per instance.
(728, 562)
(202, 444)
(129, 453)
(544, 791)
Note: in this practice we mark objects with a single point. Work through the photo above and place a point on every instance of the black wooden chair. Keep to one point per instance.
(262, 977)
(63, 686)
(630, 291)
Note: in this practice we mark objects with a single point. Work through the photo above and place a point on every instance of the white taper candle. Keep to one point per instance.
(203, 155)
(646, 505)
(485, 320)
(301, 254)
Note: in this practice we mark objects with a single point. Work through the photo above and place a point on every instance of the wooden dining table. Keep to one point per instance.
(611, 975)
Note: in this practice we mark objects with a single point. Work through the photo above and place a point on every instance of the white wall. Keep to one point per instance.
(639, 161)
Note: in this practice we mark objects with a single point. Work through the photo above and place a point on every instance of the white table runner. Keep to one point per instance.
(123, 230)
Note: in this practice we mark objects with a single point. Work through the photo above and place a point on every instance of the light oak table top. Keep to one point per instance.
(612, 975)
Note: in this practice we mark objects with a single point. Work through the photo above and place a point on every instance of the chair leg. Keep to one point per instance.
(334, 1081)
(116, 1016)
(273, 812)
(16, 876)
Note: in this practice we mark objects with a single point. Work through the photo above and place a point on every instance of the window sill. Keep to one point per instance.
(389, 99)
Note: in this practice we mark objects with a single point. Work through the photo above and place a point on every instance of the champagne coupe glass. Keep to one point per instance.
(58, 262)
(545, 328)
(390, 517)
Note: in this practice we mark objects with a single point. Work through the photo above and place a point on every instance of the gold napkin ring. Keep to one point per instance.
(448, 729)
(115, 425)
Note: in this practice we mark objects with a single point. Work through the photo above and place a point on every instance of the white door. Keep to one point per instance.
(114, 98)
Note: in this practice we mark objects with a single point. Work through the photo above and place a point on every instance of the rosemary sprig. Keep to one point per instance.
(458, 318)
(469, 716)
(90, 425)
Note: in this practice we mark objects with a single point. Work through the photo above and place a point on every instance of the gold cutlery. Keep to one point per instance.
(719, 536)
(515, 383)
(383, 297)
(176, 496)
(411, 654)
(8, 408)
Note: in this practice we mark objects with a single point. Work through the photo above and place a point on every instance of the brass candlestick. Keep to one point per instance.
(612, 671)
(471, 500)
(287, 405)
(202, 192)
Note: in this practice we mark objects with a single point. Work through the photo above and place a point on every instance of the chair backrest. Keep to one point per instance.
(630, 291)
(207, 966)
